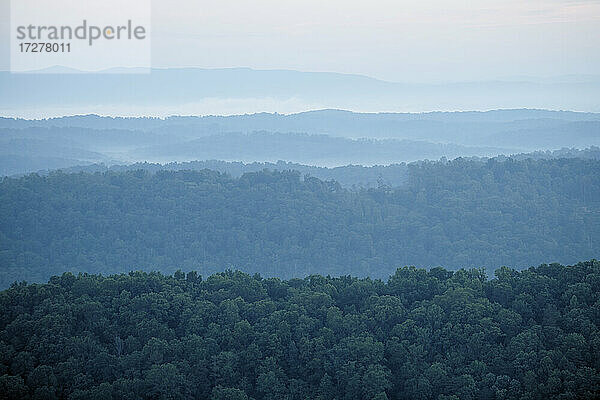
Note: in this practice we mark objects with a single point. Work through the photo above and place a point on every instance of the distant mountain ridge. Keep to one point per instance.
(304, 148)
(201, 91)
(321, 137)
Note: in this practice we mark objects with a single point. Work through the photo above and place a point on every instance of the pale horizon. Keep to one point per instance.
(432, 42)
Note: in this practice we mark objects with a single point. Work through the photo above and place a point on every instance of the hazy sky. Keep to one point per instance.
(410, 41)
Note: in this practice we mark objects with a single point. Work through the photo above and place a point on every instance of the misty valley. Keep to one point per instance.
(326, 138)
(299, 200)
(321, 255)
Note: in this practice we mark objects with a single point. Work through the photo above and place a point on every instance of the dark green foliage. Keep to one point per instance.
(422, 335)
(456, 214)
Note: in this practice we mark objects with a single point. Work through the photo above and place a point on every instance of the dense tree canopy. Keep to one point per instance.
(456, 214)
(421, 335)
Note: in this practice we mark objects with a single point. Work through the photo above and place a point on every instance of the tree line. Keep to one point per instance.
(433, 334)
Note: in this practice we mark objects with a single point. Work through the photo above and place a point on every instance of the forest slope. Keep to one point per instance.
(456, 214)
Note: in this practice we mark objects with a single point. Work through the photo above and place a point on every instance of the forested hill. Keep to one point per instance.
(422, 335)
(350, 176)
(455, 214)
